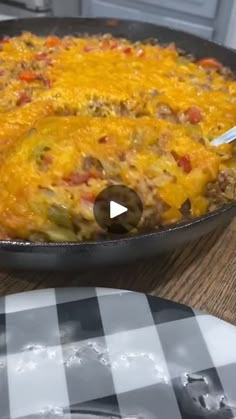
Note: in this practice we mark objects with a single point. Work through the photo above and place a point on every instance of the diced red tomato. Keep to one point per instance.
(185, 163)
(106, 44)
(114, 45)
(109, 44)
(23, 99)
(194, 115)
(42, 56)
(5, 41)
(211, 63)
(52, 41)
(89, 48)
(28, 76)
(77, 179)
(88, 198)
(128, 50)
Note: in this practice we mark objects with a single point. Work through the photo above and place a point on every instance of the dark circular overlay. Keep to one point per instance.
(121, 195)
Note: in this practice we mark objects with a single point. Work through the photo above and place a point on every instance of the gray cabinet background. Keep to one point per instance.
(66, 7)
(207, 18)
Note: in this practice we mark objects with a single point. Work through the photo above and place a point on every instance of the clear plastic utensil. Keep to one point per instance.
(225, 138)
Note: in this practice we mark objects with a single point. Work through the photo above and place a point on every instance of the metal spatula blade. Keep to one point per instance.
(226, 138)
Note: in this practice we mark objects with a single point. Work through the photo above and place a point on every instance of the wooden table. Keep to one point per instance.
(202, 275)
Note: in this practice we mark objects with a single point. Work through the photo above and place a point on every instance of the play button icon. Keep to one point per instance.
(118, 209)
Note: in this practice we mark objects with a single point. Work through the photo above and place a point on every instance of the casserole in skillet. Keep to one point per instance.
(22, 254)
(79, 114)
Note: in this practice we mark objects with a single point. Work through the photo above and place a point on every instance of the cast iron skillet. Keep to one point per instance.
(88, 255)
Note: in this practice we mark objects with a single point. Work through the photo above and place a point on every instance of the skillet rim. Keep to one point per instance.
(185, 225)
(14, 245)
(105, 20)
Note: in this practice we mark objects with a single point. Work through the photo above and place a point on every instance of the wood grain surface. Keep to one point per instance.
(202, 274)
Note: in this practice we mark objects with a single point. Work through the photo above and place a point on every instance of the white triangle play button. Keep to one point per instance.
(116, 209)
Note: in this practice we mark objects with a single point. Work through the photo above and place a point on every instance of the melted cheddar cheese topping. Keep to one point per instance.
(80, 114)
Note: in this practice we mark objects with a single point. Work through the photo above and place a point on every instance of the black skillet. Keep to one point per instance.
(88, 255)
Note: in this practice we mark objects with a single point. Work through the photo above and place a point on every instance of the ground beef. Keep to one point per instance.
(167, 113)
(227, 73)
(227, 182)
(92, 163)
(223, 190)
(152, 216)
(186, 209)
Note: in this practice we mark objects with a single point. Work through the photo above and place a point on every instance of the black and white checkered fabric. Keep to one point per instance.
(91, 353)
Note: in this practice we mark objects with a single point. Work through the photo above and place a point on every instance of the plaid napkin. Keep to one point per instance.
(91, 353)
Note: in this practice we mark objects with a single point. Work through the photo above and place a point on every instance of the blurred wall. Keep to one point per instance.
(231, 37)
